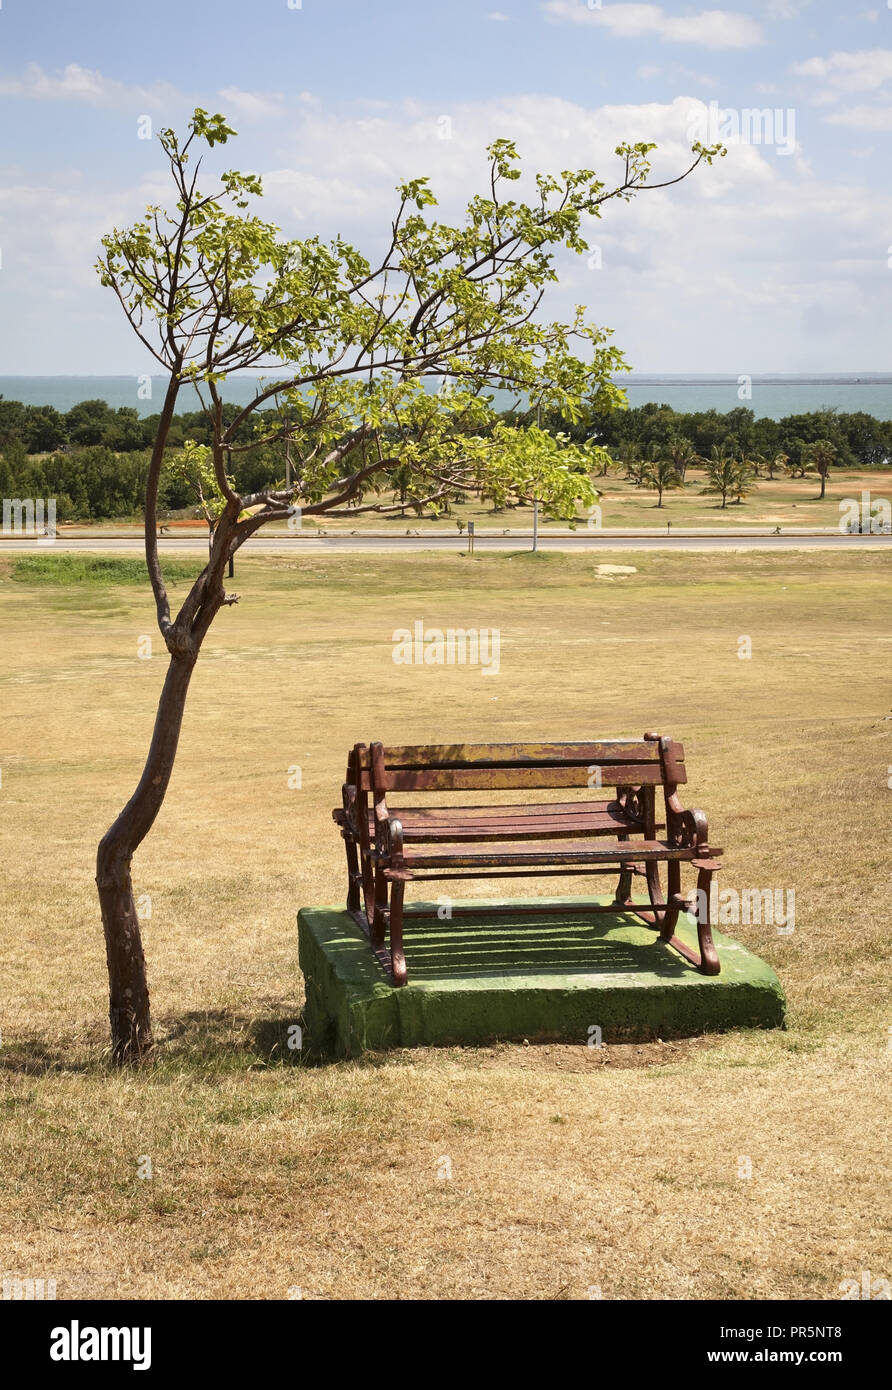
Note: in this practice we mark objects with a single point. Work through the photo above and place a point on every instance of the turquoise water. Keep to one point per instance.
(774, 397)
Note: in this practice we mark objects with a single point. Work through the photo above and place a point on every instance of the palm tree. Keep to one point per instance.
(821, 455)
(777, 464)
(661, 473)
(744, 476)
(635, 466)
(683, 455)
(721, 474)
(798, 467)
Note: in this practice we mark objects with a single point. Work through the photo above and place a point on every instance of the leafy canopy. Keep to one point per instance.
(352, 347)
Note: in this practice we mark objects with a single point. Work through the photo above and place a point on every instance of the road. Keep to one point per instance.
(580, 541)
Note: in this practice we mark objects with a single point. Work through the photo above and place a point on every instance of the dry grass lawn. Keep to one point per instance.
(572, 1169)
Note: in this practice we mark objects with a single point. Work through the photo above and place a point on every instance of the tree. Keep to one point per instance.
(797, 456)
(13, 422)
(744, 476)
(868, 438)
(635, 466)
(661, 473)
(776, 464)
(46, 429)
(820, 456)
(209, 288)
(721, 474)
(797, 431)
(683, 456)
(88, 422)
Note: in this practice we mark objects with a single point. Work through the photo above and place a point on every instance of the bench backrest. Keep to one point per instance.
(651, 761)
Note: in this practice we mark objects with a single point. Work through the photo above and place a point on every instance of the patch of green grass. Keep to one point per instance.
(95, 570)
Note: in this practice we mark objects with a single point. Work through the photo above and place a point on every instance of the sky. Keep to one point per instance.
(776, 259)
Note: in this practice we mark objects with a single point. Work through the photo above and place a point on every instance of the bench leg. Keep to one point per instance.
(368, 883)
(670, 916)
(378, 918)
(709, 957)
(666, 913)
(354, 877)
(397, 958)
(624, 887)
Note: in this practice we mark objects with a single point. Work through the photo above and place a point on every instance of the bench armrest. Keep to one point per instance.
(388, 841)
(686, 829)
(345, 816)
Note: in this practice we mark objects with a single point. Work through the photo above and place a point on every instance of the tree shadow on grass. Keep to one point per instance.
(210, 1041)
(35, 1057)
(225, 1039)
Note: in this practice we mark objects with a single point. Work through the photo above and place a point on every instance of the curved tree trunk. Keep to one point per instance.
(129, 1015)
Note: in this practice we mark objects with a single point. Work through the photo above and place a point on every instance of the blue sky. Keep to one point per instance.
(776, 260)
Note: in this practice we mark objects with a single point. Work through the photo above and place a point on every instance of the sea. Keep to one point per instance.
(765, 395)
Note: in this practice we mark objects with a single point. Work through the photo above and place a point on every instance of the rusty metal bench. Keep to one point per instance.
(388, 847)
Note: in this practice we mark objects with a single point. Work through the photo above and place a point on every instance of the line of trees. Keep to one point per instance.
(93, 466)
(94, 459)
(859, 440)
(41, 429)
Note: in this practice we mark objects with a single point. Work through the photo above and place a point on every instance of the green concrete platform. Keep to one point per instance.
(483, 979)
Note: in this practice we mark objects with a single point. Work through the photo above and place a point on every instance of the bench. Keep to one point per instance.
(388, 846)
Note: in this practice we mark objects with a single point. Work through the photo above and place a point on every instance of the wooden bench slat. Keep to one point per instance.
(411, 756)
(503, 811)
(510, 778)
(540, 852)
(488, 818)
(499, 810)
(523, 828)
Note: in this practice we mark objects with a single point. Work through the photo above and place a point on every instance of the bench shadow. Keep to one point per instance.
(480, 945)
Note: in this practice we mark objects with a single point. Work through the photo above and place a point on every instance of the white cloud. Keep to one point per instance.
(850, 72)
(498, 17)
(709, 28)
(76, 83)
(785, 9)
(344, 167)
(253, 105)
(863, 117)
(675, 72)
